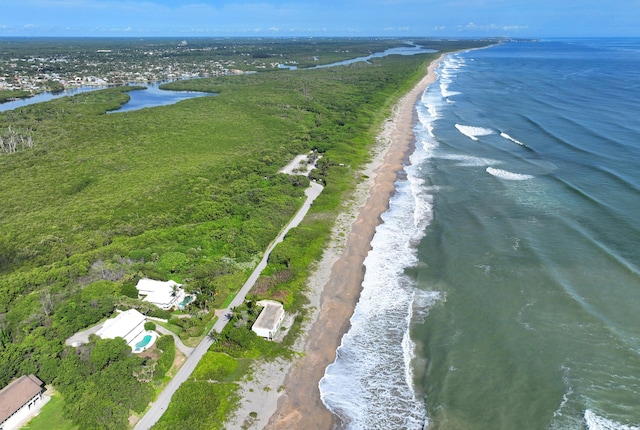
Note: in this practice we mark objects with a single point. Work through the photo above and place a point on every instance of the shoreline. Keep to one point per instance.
(285, 395)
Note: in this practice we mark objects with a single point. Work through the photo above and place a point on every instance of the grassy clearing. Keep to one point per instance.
(51, 417)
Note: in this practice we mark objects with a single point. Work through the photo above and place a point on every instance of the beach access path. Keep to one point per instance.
(162, 402)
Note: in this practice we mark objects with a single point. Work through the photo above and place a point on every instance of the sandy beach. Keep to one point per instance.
(285, 395)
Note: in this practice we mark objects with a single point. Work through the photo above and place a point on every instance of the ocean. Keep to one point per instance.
(502, 290)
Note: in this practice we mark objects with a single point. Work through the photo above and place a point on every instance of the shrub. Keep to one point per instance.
(215, 366)
(167, 345)
(129, 290)
(158, 313)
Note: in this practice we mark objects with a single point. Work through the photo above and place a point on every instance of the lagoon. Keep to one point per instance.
(46, 96)
(152, 96)
(404, 50)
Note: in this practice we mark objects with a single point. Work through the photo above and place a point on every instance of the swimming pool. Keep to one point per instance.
(185, 301)
(144, 342)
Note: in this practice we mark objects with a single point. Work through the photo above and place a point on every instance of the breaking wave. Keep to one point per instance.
(506, 136)
(596, 422)
(509, 176)
(473, 132)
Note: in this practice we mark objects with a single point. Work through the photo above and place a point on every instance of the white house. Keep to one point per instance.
(268, 322)
(128, 325)
(18, 401)
(160, 293)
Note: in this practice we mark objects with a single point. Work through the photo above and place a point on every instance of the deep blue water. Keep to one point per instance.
(503, 289)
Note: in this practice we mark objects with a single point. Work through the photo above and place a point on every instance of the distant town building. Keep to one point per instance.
(269, 320)
(165, 295)
(18, 400)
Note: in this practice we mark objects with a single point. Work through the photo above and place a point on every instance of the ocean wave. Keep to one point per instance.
(469, 160)
(444, 90)
(596, 422)
(473, 132)
(509, 176)
(421, 302)
(453, 62)
(506, 136)
(429, 107)
(427, 114)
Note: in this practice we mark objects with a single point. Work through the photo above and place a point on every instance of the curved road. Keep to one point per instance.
(162, 403)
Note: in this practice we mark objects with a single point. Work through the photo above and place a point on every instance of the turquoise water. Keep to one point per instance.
(144, 342)
(186, 301)
(503, 290)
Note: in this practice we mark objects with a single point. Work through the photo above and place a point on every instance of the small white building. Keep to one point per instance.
(160, 293)
(18, 401)
(128, 325)
(268, 322)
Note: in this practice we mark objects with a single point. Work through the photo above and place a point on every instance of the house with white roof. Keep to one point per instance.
(128, 325)
(164, 295)
(268, 322)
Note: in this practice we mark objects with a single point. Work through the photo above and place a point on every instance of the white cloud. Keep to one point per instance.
(397, 29)
(515, 27)
(490, 27)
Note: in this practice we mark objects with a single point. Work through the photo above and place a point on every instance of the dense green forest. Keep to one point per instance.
(189, 192)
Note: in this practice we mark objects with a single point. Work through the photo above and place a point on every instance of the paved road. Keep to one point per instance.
(181, 346)
(162, 403)
(82, 337)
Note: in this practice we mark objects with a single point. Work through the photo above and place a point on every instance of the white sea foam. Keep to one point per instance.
(426, 114)
(566, 371)
(370, 384)
(596, 422)
(444, 90)
(367, 386)
(473, 132)
(430, 103)
(453, 62)
(469, 160)
(506, 136)
(408, 351)
(509, 176)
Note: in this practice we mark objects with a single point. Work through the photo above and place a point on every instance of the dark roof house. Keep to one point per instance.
(17, 398)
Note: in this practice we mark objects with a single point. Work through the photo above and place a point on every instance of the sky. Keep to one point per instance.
(354, 18)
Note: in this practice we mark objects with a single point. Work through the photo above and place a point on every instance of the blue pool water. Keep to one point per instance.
(144, 342)
(186, 301)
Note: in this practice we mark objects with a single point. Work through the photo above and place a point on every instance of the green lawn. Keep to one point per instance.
(50, 417)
